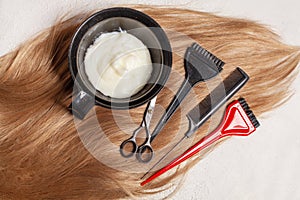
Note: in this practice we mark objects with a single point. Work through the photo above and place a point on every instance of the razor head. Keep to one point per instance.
(249, 112)
(201, 63)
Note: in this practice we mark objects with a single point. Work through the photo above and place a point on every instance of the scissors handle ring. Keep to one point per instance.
(145, 149)
(133, 150)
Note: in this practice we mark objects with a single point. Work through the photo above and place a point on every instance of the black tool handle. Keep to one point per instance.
(82, 104)
(180, 95)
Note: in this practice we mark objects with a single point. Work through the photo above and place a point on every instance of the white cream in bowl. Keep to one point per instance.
(118, 64)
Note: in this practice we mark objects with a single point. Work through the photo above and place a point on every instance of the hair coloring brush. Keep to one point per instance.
(210, 104)
(238, 120)
(200, 65)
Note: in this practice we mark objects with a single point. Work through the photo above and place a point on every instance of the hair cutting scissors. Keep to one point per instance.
(144, 152)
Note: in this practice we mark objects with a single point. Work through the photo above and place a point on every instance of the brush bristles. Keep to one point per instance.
(218, 62)
(249, 112)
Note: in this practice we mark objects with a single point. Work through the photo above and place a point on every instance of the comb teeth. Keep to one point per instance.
(249, 112)
(219, 63)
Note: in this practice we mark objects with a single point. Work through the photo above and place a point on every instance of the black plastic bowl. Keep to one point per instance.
(136, 23)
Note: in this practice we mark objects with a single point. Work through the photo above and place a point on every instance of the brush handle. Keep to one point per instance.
(81, 104)
(176, 101)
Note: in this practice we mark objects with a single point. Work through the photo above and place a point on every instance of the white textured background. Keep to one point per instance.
(262, 166)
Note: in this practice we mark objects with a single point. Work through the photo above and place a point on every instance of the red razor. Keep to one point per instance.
(238, 120)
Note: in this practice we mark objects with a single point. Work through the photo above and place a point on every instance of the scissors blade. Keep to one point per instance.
(149, 112)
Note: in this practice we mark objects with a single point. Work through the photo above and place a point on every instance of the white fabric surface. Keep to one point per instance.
(262, 166)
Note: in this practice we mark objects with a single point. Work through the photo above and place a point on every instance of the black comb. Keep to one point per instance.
(249, 112)
(200, 65)
(217, 98)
